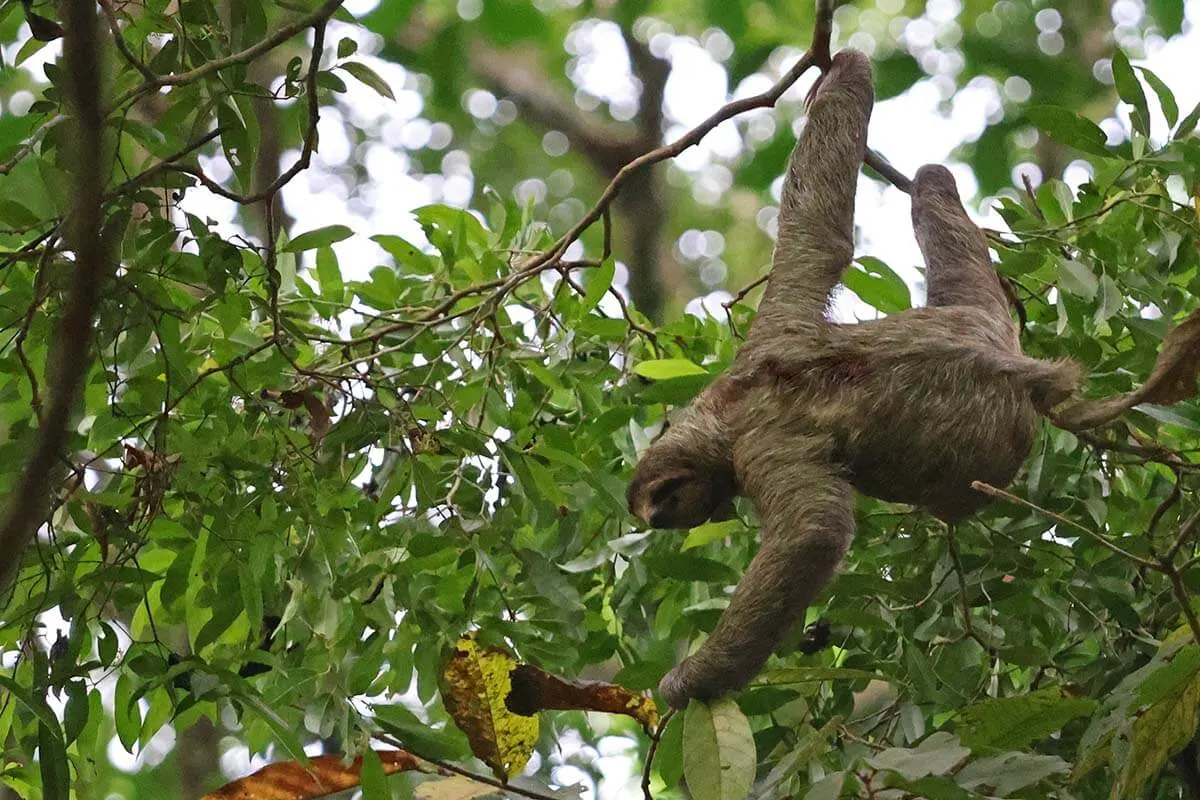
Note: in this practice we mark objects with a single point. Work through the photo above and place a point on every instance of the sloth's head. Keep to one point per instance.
(671, 490)
(935, 180)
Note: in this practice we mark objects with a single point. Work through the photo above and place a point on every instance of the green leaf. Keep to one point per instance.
(15, 215)
(329, 276)
(599, 282)
(52, 761)
(828, 788)
(1013, 723)
(1169, 14)
(1189, 123)
(126, 712)
(369, 77)
(407, 255)
(718, 750)
(936, 755)
(1111, 300)
(929, 788)
(688, 567)
(878, 286)
(372, 778)
(447, 743)
(1166, 98)
(53, 765)
(321, 237)
(32, 703)
(664, 369)
(1130, 90)
(1000, 776)
(1070, 129)
(285, 734)
(711, 532)
(1077, 279)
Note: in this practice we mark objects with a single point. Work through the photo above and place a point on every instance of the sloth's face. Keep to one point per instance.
(676, 498)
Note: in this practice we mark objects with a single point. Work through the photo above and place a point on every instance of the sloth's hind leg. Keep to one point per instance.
(959, 270)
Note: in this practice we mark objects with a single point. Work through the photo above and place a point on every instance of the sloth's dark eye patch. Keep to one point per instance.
(666, 489)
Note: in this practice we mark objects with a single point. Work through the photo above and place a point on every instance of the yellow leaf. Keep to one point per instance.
(1157, 734)
(475, 683)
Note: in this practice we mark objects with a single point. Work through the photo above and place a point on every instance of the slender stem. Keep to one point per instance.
(987, 488)
(654, 740)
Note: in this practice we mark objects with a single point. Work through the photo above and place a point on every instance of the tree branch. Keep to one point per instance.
(889, 173)
(306, 150)
(27, 505)
(320, 15)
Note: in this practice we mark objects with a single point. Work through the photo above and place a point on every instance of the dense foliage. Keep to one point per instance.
(297, 477)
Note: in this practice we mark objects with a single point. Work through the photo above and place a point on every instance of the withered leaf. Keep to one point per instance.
(318, 413)
(291, 780)
(42, 28)
(534, 689)
(475, 683)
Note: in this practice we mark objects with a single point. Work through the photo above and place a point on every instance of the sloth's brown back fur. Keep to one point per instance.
(910, 408)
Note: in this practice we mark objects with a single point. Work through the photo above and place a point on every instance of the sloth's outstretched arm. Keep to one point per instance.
(806, 508)
(816, 212)
(959, 270)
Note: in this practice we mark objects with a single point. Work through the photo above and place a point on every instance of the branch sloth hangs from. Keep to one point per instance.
(910, 408)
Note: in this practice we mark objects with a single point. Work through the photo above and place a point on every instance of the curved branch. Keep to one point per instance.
(817, 54)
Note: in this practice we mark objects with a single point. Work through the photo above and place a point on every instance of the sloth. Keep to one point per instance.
(909, 408)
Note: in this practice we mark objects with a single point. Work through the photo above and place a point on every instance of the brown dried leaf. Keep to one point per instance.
(318, 413)
(318, 416)
(1173, 379)
(290, 780)
(534, 689)
(475, 683)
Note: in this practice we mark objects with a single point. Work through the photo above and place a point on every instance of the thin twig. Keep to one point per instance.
(606, 251)
(994, 491)
(310, 134)
(114, 27)
(741, 295)
(653, 749)
(956, 560)
(1186, 530)
(1182, 597)
(167, 164)
(1033, 203)
(457, 770)
(884, 167)
(316, 17)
